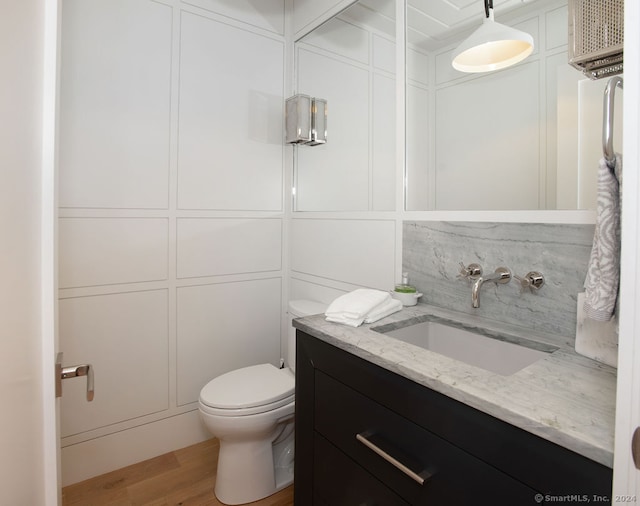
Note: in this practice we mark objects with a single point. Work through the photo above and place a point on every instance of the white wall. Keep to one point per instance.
(345, 232)
(354, 170)
(22, 468)
(171, 214)
(307, 14)
(331, 256)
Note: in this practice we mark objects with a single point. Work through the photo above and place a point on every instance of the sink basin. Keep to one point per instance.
(491, 354)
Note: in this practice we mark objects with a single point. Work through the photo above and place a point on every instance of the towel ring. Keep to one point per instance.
(607, 121)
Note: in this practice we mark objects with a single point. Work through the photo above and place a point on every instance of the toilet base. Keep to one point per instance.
(253, 470)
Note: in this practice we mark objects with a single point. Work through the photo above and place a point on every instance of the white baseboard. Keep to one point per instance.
(107, 453)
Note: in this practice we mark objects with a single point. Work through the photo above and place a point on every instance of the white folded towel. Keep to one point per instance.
(345, 320)
(352, 308)
(384, 310)
(358, 303)
(603, 275)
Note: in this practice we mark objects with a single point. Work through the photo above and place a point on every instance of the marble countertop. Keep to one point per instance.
(565, 398)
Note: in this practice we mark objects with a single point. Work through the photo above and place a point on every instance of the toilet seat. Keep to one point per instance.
(250, 390)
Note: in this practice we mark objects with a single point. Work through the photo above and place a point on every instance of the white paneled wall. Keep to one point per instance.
(215, 339)
(308, 14)
(230, 151)
(357, 252)
(419, 135)
(115, 104)
(383, 144)
(125, 338)
(266, 14)
(103, 251)
(507, 132)
(355, 170)
(335, 176)
(217, 246)
(330, 257)
(171, 214)
(355, 175)
(495, 116)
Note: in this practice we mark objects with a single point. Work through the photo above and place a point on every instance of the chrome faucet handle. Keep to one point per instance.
(501, 276)
(473, 271)
(533, 281)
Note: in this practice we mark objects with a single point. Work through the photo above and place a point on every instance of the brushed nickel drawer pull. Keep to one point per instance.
(417, 477)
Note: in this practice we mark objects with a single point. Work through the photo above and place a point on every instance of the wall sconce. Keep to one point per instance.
(318, 121)
(306, 120)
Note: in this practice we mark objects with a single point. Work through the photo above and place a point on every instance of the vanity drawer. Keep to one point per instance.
(363, 429)
(339, 481)
(340, 395)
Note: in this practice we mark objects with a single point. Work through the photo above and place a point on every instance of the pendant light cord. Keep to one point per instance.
(488, 4)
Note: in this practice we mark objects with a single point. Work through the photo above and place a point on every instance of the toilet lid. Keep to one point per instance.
(256, 385)
(302, 307)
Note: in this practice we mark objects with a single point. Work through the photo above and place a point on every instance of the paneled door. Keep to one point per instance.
(28, 427)
(626, 477)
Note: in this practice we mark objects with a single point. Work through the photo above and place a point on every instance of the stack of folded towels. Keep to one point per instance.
(362, 306)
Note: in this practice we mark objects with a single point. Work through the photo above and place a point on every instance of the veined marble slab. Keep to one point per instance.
(432, 252)
(565, 398)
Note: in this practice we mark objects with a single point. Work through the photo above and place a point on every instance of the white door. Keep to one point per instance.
(29, 470)
(48, 254)
(626, 484)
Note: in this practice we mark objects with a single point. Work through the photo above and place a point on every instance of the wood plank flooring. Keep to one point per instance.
(184, 477)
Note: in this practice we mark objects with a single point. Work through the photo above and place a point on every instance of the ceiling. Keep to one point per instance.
(432, 24)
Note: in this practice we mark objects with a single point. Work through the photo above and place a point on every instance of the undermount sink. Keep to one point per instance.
(488, 353)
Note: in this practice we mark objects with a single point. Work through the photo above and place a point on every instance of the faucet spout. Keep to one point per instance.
(501, 275)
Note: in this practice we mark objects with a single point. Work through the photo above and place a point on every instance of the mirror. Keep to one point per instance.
(350, 62)
(524, 138)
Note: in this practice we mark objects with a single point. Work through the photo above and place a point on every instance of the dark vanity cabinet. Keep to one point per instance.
(367, 436)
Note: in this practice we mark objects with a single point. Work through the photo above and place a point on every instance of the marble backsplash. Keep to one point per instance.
(432, 252)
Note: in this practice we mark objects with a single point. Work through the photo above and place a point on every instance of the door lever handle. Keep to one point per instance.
(73, 372)
(635, 447)
(81, 370)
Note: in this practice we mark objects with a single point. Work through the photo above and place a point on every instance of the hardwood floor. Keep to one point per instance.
(184, 477)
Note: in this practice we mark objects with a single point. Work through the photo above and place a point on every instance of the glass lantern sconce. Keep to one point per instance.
(306, 120)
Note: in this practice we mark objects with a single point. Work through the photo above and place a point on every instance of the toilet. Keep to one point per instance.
(250, 411)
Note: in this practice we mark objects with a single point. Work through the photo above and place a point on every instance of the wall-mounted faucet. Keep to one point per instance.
(501, 275)
(532, 282)
(472, 272)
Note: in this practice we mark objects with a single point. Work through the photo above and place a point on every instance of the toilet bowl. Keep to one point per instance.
(250, 411)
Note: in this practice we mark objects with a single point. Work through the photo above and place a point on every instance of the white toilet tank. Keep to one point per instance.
(297, 309)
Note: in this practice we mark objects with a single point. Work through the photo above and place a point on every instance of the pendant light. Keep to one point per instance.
(492, 46)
